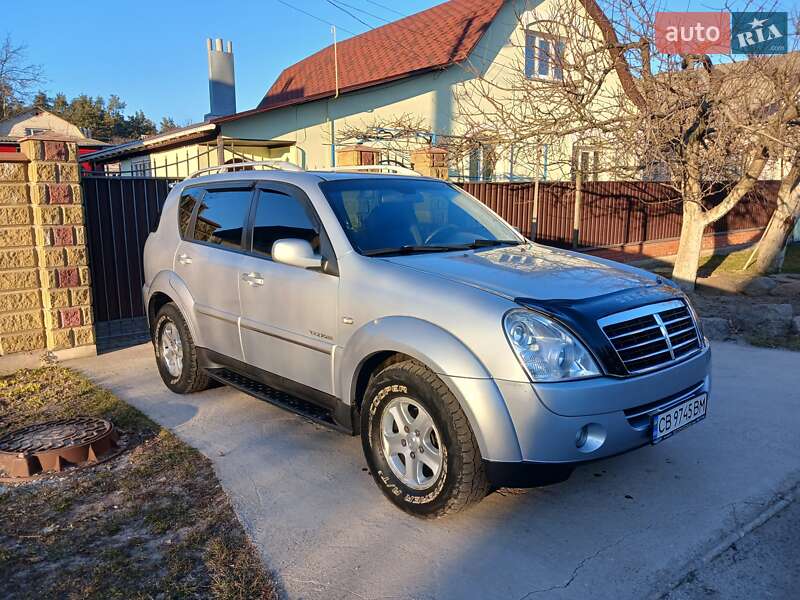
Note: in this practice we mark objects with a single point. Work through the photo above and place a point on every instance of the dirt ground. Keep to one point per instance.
(153, 522)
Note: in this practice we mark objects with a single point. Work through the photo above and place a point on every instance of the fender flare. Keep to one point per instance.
(167, 282)
(448, 357)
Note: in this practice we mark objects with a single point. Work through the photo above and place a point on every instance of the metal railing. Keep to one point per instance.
(278, 165)
(282, 165)
(387, 169)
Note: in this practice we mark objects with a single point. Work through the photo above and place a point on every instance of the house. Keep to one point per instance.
(414, 66)
(34, 121)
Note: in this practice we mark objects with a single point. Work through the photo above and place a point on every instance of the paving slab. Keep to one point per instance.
(619, 528)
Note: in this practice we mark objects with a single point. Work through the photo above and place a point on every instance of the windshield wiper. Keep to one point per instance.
(489, 243)
(409, 250)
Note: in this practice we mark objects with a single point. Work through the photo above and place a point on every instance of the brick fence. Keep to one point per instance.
(45, 299)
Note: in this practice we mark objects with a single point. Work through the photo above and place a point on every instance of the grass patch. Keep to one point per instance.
(785, 343)
(733, 262)
(152, 523)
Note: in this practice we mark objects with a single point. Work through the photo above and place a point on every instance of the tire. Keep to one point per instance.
(177, 362)
(390, 402)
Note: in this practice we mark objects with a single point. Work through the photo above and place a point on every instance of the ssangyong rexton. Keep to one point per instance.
(403, 310)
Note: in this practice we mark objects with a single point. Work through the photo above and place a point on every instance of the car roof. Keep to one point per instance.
(297, 177)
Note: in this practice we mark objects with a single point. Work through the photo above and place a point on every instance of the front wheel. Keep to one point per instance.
(418, 444)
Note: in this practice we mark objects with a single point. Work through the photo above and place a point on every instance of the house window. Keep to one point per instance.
(474, 164)
(141, 168)
(544, 56)
(35, 130)
(587, 161)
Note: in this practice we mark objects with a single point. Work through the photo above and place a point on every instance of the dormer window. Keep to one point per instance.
(544, 56)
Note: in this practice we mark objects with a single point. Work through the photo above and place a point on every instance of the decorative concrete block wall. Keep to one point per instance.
(21, 315)
(45, 298)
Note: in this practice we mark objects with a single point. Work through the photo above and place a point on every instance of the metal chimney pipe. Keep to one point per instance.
(221, 79)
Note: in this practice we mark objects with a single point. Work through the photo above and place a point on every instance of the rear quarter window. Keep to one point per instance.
(186, 205)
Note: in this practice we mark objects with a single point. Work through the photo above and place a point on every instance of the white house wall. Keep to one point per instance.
(429, 96)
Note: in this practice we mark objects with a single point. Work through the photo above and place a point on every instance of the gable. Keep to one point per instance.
(428, 40)
(37, 119)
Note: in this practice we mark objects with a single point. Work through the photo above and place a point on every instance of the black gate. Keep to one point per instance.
(120, 213)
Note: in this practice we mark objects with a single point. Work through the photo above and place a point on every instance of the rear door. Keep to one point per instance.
(288, 314)
(208, 260)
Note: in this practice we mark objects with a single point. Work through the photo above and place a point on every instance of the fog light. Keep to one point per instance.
(590, 437)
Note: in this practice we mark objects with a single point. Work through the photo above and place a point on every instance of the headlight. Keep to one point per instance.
(547, 351)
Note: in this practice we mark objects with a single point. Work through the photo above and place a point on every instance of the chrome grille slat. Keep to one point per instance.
(622, 335)
(677, 320)
(638, 358)
(677, 345)
(676, 333)
(682, 344)
(639, 345)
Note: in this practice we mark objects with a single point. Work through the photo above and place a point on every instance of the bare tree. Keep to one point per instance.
(578, 78)
(785, 72)
(17, 77)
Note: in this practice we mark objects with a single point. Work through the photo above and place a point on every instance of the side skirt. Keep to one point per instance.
(302, 400)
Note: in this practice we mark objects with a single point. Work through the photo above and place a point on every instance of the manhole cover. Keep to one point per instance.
(55, 445)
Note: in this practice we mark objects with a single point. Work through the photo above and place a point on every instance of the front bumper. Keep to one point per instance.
(548, 418)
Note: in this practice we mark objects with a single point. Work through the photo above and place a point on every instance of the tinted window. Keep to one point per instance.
(387, 212)
(185, 208)
(280, 216)
(221, 217)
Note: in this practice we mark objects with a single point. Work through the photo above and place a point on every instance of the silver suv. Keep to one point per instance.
(403, 310)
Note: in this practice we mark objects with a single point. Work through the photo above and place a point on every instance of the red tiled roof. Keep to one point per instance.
(428, 40)
(432, 39)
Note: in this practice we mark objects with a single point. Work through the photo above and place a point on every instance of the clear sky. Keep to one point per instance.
(152, 52)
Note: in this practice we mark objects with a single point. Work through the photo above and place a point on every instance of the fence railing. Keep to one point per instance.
(612, 213)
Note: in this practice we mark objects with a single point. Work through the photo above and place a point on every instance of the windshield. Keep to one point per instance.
(402, 215)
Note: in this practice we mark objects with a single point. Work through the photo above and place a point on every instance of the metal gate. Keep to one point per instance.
(120, 213)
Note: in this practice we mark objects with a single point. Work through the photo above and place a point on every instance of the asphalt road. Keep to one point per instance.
(765, 564)
(628, 527)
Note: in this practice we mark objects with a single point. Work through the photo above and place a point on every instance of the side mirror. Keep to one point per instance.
(297, 253)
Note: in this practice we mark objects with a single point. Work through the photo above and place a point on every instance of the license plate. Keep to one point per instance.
(676, 418)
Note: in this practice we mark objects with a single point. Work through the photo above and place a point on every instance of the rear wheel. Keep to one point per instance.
(176, 354)
(419, 446)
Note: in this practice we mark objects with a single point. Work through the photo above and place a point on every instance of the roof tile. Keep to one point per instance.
(428, 40)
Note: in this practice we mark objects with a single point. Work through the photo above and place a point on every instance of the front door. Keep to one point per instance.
(288, 314)
(208, 260)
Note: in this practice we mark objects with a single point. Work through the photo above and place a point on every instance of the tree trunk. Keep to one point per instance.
(771, 246)
(691, 243)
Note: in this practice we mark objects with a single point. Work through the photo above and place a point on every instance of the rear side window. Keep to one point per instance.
(280, 216)
(221, 217)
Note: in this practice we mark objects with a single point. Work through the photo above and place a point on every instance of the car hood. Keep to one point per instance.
(531, 271)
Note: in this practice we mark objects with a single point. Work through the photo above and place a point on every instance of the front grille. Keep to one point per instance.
(652, 337)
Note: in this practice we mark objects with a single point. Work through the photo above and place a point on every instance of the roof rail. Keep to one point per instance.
(278, 165)
(389, 169)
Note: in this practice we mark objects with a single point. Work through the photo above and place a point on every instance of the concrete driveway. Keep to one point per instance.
(621, 528)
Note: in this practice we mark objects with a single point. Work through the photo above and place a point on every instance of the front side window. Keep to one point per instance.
(544, 56)
(221, 217)
(281, 216)
(385, 214)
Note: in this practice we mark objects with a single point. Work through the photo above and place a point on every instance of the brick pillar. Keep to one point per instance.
(430, 161)
(21, 316)
(60, 245)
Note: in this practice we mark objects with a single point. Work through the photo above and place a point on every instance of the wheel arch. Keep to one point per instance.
(399, 338)
(168, 287)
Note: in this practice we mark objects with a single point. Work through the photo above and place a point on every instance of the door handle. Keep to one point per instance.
(253, 279)
(184, 259)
